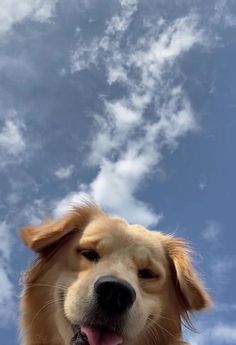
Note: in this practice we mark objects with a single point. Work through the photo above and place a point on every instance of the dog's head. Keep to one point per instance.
(117, 282)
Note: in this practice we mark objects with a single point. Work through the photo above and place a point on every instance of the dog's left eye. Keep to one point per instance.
(91, 255)
(146, 274)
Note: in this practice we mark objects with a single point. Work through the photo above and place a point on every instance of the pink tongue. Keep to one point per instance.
(97, 337)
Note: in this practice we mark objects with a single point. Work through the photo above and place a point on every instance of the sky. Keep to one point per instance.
(132, 102)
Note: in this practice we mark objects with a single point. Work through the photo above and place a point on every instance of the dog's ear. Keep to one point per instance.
(191, 292)
(41, 236)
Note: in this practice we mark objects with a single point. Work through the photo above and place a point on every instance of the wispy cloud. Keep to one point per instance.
(7, 302)
(225, 307)
(202, 182)
(7, 289)
(224, 13)
(100, 47)
(12, 140)
(131, 138)
(13, 12)
(34, 212)
(202, 185)
(221, 265)
(5, 241)
(217, 333)
(64, 172)
(212, 231)
(225, 332)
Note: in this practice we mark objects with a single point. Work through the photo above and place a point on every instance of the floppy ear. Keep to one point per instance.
(41, 236)
(190, 290)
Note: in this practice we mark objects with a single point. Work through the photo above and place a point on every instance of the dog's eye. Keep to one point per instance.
(90, 254)
(146, 274)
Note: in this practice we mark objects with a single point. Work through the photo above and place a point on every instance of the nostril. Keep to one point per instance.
(114, 295)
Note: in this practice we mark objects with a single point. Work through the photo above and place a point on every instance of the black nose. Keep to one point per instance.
(114, 295)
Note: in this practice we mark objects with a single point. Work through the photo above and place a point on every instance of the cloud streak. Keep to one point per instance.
(224, 13)
(12, 140)
(217, 333)
(64, 172)
(130, 138)
(212, 231)
(13, 12)
(7, 290)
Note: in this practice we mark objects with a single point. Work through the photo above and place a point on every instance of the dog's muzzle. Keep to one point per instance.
(113, 298)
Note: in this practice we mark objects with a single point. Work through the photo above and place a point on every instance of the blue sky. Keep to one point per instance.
(132, 102)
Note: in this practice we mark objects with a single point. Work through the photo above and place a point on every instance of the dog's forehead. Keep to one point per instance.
(113, 231)
(101, 226)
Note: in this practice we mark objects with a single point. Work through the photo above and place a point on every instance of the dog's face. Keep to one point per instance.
(117, 277)
(117, 281)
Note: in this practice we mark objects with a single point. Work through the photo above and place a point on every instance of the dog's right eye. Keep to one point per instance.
(146, 274)
(90, 255)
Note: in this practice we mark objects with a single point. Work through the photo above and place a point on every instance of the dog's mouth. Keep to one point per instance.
(92, 335)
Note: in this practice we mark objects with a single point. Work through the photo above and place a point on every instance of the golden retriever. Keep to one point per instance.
(114, 282)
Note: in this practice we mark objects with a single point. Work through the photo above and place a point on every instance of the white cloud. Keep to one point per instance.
(202, 185)
(5, 240)
(7, 303)
(129, 143)
(34, 212)
(123, 116)
(88, 54)
(7, 289)
(224, 13)
(212, 231)
(84, 56)
(222, 267)
(172, 42)
(116, 74)
(217, 333)
(15, 11)
(121, 21)
(225, 307)
(65, 205)
(64, 172)
(196, 339)
(224, 332)
(114, 188)
(12, 140)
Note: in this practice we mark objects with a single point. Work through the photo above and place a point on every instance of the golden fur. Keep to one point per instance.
(57, 286)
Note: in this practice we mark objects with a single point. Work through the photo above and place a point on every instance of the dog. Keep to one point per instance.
(113, 282)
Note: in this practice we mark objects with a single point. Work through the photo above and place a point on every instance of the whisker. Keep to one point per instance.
(46, 305)
(154, 334)
(167, 318)
(161, 327)
(64, 287)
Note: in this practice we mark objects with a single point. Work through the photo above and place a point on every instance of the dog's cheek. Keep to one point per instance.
(72, 303)
(137, 318)
(148, 311)
(76, 301)
(156, 308)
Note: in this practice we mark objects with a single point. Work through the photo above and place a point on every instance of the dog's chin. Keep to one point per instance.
(95, 335)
